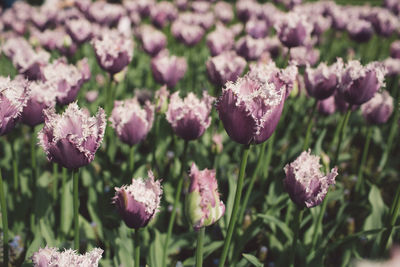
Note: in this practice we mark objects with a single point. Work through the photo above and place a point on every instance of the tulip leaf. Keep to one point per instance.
(281, 225)
(378, 208)
(253, 260)
(67, 213)
(47, 233)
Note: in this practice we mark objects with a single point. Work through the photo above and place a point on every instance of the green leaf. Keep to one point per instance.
(34, 246)
(47, 233)
(280, 224)
(67, 213)
(253, 260)
(374, 220)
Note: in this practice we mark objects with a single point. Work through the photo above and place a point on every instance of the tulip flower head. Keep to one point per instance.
(360, 83)
(189, 117)
(72, 139)
(153, 41)
(203, 204)
(378, 109)
(251, 107)
(14, 95)
(327, 106)
(168, 69)
(113, 51)
(138, 202)
(80, 30)
(68, 258)
(395, 49)
(293, 29)
(306, 184)
(131, 122)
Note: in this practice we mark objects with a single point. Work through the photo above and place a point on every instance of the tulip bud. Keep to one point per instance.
(202, 205)
(306, 184)
(168, 69)
(378, 109)
(138, 202)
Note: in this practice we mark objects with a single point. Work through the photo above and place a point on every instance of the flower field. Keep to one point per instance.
(200, 133)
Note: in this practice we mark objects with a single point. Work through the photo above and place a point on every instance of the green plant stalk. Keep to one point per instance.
(309, 126)
(199, 249)
(176, 200)
(394, 213)
(156, 133)
(359, 184)
(4, 221)
(137, 247)
(392, 132)
(55, 180)
(319, 222)
(252, 181)
(76, 208)
(297, 222)
(62, 204)
(341, 134)
(15, 168)
(235, 209)
(34, 176)
(131, 160)
(268, 158)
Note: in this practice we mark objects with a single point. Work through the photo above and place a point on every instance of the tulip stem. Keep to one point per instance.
(309, 126)
(4, 221)
(319, 222)
(392, 131)
(15, 168)
(252, 181)
(297, 221)
(199, 249)
(176, 200)
(235, 209)
(76, 209)
(62, 202)
(137, 247)
(394, 213)
(34, 175)
(55, 180)
(359, 184)
(131, 160)
(342, 132)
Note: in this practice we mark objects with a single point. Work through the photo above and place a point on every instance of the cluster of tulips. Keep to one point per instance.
(263, 58)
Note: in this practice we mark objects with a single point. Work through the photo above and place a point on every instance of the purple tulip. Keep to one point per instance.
(113, 51)
(306, 184)
(383, 21)
(223, 11)
(322, 82)
(256, 28)
(125, 27)
(222, 39)
(236, 29)
(392, 66)
(83, 5)
(293, 29)
(51, 257)
(225, 67)
(67, 80)
(359, 83)
(145, 6)
(360, 30)
(205, 20)
(91, 96)
(43, 96)
(153, 41)
(200, 6)
(250, 48)
(251, 108)
(203, 206)
(168, 69)
(14, 95)
(189, 117)
(273, 46)
(83, 66)
(182, 5)
(80, 30)
(44, 16)
(327, 106)
(378, 109)
(138, 202)
(162, 13)
(104, 13)
(393, 5)
(304, 55)
(190, 35)
(72, 139)
(340, 18)
(30, 63)
(246, 9)
(131, 122)
(395, 49)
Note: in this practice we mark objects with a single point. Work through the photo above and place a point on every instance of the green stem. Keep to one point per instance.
(319, 222)
(252, 181)
(4, 221)
(63, 204)
(394, 213)
(137, 247)
(131, 160)
(156, 133)
(76, 209)
(176, 200)
(15, 168)
(268, 158)
(359, 184)
(235, 209)
(33, 155)
(199, 249)
(55, 180)
(392, 132)
(341, 134)
(309, 126)
(297, 221)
